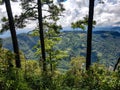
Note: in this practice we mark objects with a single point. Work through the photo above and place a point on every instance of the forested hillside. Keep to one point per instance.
(106, 45)
(26, 44)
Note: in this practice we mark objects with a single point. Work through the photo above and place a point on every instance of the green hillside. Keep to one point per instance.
(26, 44)
(106, 45)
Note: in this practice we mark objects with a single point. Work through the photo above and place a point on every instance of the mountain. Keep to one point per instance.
(105, 45)
(112, 28)
(26, 44)
(96, 28)
(26, 30)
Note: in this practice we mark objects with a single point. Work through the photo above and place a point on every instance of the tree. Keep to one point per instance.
(41, 34)
(89, 34)
(0, 42)
(118, 61)
(13, 33)
(49, 21)
(48, 25)
(3, 1)
(87, 21)
(51, 32)
(82, 24)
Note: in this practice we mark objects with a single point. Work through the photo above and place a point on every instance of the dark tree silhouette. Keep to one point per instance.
(118, 61)
(13, 33)
(41, 34)
(2, 1)
(89, 34)
(0, 42)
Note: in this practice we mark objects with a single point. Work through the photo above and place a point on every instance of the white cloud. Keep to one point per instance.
(106, 14)
(16, 9)
(75, 9)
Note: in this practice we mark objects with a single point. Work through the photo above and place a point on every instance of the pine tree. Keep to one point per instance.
(13, 33)
(89, 34)
(41, 34)
(117, 63)
(82, 24)
(87, 21)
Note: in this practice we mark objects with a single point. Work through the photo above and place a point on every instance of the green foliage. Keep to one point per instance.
(4, 19)
(51, 32)
(10, 77)
(53, 54)
(29, 77)
(82, 24)
(97, 78)
(13, 80)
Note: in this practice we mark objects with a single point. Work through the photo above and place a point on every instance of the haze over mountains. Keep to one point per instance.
(115, 28)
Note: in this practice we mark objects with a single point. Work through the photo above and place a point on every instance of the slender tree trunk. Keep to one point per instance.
(13, 33)
(89, 34)
(41, 34)
(51, 66)
(118, 61)
(0, 43)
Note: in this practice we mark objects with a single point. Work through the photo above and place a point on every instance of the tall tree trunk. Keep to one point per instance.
(51, 64)
(0, 42)
(41, 34)
(89, 34)
(118, 61)
(13, 33)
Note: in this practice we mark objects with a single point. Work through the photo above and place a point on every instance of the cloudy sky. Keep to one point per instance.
(107, 14)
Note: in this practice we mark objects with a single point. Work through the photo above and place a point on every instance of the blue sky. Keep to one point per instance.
(107, 14)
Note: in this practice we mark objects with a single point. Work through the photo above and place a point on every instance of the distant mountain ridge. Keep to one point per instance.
(110, 28)
(96, 28)
(105, 44)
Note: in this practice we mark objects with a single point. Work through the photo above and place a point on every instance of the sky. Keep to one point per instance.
(107, 14)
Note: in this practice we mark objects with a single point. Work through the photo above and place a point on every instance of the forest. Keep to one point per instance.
(47, 58)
